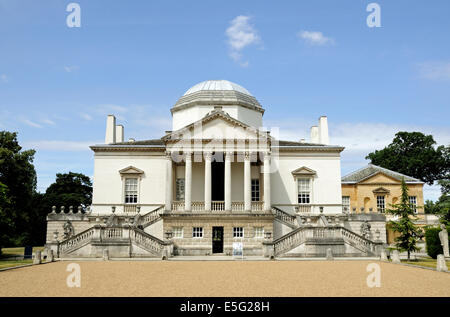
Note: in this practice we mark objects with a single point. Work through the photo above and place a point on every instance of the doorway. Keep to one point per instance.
(217, 239)
(218, 181)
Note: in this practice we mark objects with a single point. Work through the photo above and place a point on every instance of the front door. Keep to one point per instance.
(217, 239)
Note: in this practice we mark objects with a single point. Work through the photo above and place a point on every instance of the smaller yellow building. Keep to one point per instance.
(372, 189)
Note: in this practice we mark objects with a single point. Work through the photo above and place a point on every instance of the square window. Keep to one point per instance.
(178, 232)
(238, 232)
(259, 232)
(197, 232)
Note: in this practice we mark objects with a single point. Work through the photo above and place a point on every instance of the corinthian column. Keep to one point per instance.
(247, 183)
(228, 157)
(208, 180)
(267, 201)
(169, 185)
(188, 182)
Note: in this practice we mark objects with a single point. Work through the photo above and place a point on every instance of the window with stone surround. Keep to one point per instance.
(179, 190)
(259, 232)
(255, 189)
(381, 204)
(131, 190)
(345, 203)
(177, 232)
(238, 232)
(197, 232)
(304, 190)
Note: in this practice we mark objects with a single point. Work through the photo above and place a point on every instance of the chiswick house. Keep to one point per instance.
(216, 183)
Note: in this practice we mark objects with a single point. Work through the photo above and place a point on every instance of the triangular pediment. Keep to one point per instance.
(217, 125)
(381, 190)
(305, 171)
(380, 178)
(131, 170)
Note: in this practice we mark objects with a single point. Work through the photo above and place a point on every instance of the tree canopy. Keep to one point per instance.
(414, 154)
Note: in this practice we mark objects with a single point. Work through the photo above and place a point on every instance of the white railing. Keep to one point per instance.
(76, 241)
(149, 218)
(111, 233)
(257, 206)
(149, 242)
(284, 216)
(217, 206)
(178, 206)
(237, 206)
(130, 209)
(198, 206)
(303, 208)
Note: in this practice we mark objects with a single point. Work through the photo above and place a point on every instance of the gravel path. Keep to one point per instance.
(225, 278)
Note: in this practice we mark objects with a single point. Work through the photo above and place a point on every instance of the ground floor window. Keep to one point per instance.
(197, 232)
(238, 232)
(131, 190)
(381, 206)
(413, 202)
(259, 232)
(178, 232)
(346, 203)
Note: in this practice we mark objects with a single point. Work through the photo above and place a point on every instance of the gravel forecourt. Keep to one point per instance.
(223, 278)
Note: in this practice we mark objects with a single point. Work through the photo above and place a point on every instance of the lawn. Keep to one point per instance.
(426, 262)
(7, 258)
(7, 263)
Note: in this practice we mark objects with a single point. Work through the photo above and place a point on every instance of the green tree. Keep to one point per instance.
(414, 154)
(409, 234)
(443, 204)
(18, 179)
(69, 189)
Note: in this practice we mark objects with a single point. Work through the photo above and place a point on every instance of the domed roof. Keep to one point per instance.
(217, 85)
(217, 93)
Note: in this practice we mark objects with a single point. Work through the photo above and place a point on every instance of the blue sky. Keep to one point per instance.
(300, 59)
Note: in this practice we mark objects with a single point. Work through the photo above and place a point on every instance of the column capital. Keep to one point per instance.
(168, 155)
(229, 154)
(247, 155)
(187, 156)
(207, 155)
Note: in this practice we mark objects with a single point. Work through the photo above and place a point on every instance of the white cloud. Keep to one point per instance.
(240, 34)
(30, 123)
(434, 70)
(315, 38)
(48, 121)
(70, 69)
(4, 79)
(359, 139)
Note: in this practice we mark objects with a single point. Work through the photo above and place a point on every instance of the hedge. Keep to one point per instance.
(433, 244)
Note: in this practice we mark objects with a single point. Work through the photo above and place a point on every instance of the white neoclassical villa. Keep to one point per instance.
(217, 183)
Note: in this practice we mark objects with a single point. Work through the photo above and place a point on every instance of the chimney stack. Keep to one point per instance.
(314, 134)
(323, 130)
(119, 133)
(110, 137)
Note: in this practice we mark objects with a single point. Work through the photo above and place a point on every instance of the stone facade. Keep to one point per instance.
(203, 246)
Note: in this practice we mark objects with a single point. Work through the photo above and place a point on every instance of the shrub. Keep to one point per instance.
(433, 243)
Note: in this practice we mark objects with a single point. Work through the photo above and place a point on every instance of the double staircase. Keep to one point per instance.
(132, 237)
(318, 238)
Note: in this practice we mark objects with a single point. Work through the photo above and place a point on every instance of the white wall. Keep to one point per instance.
(326, 184)
(108, 184)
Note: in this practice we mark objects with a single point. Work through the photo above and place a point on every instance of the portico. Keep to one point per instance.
(247, 167)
